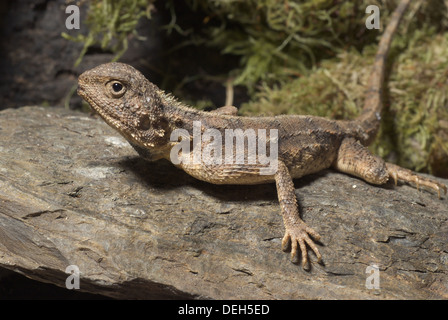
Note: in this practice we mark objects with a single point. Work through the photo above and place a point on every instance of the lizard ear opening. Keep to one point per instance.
(116, 88)
(144, 123)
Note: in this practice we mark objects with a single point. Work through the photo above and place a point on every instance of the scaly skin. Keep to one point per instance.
(146, 116)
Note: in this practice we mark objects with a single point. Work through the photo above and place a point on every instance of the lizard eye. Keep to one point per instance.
(116, 88)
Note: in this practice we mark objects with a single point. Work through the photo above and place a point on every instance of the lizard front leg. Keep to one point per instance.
(227, 110)
(297, 232)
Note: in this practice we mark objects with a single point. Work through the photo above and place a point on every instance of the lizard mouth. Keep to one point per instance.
(107, 116)
(82, 93)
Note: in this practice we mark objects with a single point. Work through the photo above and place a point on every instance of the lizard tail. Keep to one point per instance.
(371, 113)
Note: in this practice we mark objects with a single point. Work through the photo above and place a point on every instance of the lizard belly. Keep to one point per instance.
(228, 173)
(309, 160)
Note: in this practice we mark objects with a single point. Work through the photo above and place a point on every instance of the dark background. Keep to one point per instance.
(37, 63)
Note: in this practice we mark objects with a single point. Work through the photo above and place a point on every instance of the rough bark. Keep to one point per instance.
(73, 192)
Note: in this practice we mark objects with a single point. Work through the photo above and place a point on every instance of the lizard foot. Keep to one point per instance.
(399, 173)
(300, 234)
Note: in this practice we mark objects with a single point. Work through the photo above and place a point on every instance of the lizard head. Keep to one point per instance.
(128, 102)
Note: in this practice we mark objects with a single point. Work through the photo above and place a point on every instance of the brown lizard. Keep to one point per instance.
(147, 117)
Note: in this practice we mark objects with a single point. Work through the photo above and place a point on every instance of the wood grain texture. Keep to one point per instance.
(72, 191)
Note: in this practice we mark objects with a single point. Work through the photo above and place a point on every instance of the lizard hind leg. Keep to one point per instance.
(355, 159)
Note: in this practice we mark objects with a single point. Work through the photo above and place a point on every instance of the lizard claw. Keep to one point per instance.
(300, 234)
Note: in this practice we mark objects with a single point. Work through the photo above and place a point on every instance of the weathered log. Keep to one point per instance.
(73, 192)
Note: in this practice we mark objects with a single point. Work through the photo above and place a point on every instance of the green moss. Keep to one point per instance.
(419, 103)
(330, 91)
(277, 40)
(110, 23)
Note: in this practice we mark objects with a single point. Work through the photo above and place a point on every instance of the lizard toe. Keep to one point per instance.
(299, 237)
